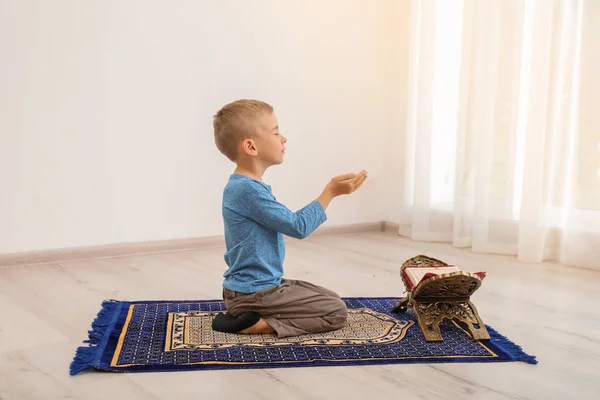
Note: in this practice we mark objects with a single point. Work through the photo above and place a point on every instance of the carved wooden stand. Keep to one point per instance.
(440, 297)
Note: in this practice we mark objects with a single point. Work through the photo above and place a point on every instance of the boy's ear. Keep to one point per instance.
(249, 147)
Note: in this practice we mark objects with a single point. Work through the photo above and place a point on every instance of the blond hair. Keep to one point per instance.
(234, 122)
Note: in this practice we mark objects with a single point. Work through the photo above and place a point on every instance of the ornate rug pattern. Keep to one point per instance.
(174, 335)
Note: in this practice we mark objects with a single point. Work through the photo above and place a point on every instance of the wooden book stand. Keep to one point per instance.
(438, 291)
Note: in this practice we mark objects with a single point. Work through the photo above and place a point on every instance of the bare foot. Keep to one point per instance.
(260, 327)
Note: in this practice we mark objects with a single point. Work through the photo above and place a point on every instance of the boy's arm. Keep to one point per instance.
(325, 198)
(261, 207)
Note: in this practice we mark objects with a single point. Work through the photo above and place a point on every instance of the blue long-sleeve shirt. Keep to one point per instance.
(255, 223)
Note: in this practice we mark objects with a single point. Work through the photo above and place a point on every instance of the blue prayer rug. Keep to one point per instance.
(177, 335)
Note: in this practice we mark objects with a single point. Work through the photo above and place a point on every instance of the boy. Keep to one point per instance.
(257, 298)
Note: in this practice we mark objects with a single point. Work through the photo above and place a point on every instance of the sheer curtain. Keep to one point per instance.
(503, 132)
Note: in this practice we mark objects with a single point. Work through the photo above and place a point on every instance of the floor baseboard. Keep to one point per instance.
(390, 227)
(152, 247)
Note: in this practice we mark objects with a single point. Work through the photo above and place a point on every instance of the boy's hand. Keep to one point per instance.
(348, 183)
(339, 185)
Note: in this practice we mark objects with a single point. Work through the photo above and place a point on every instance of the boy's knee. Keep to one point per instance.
(339, 314)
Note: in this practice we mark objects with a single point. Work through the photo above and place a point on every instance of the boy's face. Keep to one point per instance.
(269, 142)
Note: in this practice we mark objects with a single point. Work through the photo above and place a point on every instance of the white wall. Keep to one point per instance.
(393, 175)
(106, 110)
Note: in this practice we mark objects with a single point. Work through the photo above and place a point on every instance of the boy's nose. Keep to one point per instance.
(284, 139)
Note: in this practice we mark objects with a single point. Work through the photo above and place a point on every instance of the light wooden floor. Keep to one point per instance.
(549, 309)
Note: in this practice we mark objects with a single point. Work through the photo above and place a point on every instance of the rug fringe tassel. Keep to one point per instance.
(514, 351)
(85, 356)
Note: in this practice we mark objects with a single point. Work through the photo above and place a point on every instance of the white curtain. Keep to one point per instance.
(503, 132)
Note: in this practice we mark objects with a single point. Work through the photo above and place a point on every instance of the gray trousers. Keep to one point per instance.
(292, 308)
